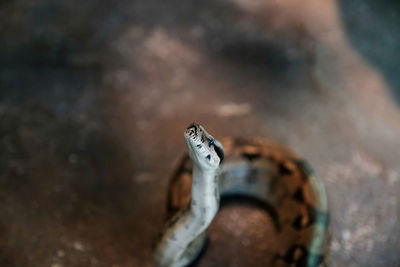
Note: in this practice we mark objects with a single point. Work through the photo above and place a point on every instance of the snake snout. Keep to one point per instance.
(192, 130)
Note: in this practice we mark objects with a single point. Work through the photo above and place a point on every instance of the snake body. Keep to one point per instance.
(256, 168)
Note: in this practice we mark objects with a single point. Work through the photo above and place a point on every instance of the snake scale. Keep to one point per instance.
(255, 168)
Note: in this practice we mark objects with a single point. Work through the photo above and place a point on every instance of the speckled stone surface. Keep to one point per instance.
(94, 98)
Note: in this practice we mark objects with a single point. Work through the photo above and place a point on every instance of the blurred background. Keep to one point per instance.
(95, 95)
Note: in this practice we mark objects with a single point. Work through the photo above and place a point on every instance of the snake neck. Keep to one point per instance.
(205, 196)
(193, 221)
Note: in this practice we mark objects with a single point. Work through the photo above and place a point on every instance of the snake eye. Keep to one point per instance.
(211, 143)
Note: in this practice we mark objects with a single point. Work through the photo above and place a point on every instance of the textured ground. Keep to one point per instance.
(95, 97)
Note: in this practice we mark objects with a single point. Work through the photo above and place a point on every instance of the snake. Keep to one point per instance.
(255, 168)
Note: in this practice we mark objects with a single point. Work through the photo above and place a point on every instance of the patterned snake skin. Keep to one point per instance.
(272, 175)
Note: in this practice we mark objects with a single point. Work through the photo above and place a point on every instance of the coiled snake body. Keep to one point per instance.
(294, 198)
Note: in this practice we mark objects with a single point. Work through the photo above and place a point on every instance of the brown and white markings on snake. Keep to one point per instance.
(294, 198)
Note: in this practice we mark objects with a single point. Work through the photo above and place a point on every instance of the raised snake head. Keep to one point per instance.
(205, 151)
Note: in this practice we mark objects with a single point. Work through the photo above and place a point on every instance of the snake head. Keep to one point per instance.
(205, 151)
